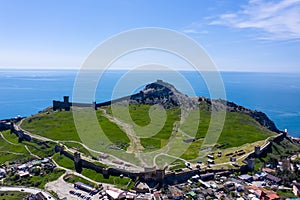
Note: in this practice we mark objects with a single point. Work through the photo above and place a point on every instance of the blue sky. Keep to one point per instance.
(255, 35)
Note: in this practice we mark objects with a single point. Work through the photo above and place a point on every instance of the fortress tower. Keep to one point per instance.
(12, 128)
(59, 105)
(257, 151)
(250, 164)
(77, 162)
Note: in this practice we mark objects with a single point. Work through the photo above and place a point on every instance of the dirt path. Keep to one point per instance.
(26, 147)
(7, 140)
(135, 143)
(104, 161)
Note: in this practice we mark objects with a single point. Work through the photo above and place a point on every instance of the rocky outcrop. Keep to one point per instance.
(168, 96)
(164, 94)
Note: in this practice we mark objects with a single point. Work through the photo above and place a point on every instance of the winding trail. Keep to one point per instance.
(7, 140)
(27, 149)
(104, 161)
(135, 143)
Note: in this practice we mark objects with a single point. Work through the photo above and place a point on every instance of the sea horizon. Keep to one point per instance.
(27, 91)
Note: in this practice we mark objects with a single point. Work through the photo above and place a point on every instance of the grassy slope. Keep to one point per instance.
(238, 129)
(140, 120)
(55, 125)
(60, 126)
(17, 151)
(119, 182)
(10, 152)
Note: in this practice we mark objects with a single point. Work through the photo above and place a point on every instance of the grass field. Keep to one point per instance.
(63, 161)
(152, 124)
(12, 152)
(238, 130)
(70, 178)
(60, 126)
(115, 180)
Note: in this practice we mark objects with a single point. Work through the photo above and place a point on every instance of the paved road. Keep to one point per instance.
(27, 190)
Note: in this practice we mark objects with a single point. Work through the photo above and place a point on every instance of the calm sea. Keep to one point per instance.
(25, 92)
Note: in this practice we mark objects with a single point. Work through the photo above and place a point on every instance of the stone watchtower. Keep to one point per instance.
(250, 164)
(12, 128)
(59, 105)
(257, 151)
(77, 162)
(94, 105)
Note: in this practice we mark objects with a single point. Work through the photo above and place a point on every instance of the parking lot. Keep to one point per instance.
(63, 189)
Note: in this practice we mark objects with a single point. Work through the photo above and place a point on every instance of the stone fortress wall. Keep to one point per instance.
(66, 104)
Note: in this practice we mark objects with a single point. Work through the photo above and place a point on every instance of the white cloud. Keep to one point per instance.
(277, 20)
(195, 31)
(195, 28)
(190, 31)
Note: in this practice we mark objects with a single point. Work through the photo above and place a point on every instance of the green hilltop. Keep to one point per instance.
(155, 117)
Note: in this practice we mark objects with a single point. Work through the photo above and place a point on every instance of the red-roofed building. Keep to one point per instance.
(263, 193)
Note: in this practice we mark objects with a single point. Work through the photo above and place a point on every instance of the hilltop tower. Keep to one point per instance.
(59, 105)
(94, 105)
(257, 151)
(250, 164)
(77, 162)
(12, 128)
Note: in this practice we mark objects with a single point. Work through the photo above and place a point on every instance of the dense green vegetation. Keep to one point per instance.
(285, 194)
(12, 195)
(38, 181)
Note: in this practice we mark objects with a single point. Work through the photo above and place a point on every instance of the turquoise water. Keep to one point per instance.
(25, 92)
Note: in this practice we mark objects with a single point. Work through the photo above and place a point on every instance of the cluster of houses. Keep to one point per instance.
(225, 185)
(26, 169)
(220, 185)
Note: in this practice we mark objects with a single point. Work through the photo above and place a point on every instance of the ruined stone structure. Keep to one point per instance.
(257, 151)
(250, 164)
(77, 162)
(66, 104)
(19, 133)
(152, 176)
(4, 126)
(60, 105)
